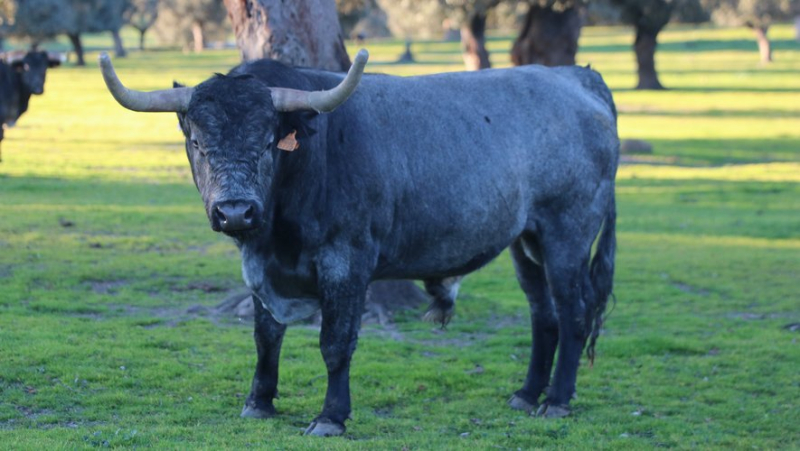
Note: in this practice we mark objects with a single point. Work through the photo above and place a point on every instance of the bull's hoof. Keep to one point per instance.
(517, 403)
(552, 411)
(439, 315)
(324, 428)
(255, 412)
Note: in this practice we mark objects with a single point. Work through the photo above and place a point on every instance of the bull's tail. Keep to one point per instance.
(601, 274)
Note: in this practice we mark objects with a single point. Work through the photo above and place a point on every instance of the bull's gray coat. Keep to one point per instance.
(427, 178)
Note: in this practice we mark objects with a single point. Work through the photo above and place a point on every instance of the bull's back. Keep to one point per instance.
(461, 160)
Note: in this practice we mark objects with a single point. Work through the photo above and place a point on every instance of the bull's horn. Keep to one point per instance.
(167, 100)
(286, 99)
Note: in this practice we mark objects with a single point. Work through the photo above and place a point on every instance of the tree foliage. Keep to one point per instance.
(751, 13)
(190, 23)
(141, 15)
(42, 19)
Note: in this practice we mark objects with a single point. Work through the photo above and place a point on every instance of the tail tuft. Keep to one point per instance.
(601, 274)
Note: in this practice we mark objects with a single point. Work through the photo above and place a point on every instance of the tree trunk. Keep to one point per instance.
(76, 44)
(299, 33)
(473, 42)
(119, 49)
(797, 28)
(764, 47)
(197, 37)
(141, 39)
(307, 33)
(645, 48)
(547, 37)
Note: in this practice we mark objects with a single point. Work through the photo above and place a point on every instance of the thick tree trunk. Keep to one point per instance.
(119, 49)
(797, 28)
(299, 33)
(307, 33)
(645, 48)
(547, 37)
(141, 39)
(764, 46)
(473, 43)
(197, 37)
(76, 44)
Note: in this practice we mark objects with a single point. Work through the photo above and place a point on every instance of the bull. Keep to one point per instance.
(21, 75)
(425, 178)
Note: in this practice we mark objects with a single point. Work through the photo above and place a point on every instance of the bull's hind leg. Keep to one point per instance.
(544, 324)
(567, 269)
(269, 337)
(444, 292)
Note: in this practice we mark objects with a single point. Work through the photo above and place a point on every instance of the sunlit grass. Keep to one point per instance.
(105, 252)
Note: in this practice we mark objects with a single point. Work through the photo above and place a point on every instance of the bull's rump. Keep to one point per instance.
(460, 162)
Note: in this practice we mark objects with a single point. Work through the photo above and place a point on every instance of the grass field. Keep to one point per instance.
(106, 339)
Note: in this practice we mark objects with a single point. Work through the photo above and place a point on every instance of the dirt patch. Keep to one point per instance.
(107, 286)
(6, 271)
(793, 327)
(689, 289)
(749, 316)
(384, 299)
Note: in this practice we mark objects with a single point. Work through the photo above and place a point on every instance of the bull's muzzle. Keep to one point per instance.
(233, 216)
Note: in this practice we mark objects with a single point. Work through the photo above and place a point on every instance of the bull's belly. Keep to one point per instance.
(445, 257)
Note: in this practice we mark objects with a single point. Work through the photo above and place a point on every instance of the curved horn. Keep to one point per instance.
(167, 100)
(286, 99)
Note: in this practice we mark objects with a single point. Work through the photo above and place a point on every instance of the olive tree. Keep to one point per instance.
(39, 20)
(757, 15)
(298, 33)
(424, 18)
(549, 33)
(141, 15)
(190, 23)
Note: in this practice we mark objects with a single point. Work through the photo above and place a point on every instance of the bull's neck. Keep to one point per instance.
(294, 207)
(20, 96)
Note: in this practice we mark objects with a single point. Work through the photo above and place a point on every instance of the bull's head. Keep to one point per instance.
(32, 66)
(231, 124)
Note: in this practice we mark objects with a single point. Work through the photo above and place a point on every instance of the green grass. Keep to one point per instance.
(102, 342)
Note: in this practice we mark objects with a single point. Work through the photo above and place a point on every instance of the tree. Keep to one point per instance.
(549, 34)
(648, 18)
(141, 14)
(757, 15)
(39, 20)
(190, 22)
(306, 33)
(298, 33)
(428, 15)
(7, 13)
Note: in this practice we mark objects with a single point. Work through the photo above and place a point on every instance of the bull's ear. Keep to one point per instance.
(297, 121)
(181, 115)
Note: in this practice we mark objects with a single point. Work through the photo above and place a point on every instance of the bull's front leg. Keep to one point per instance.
(268, 336)
(342, 304)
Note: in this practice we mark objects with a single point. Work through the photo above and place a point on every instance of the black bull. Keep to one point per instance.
(416, 178)
(22, 74)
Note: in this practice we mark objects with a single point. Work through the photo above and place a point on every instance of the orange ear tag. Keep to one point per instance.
(289, 143)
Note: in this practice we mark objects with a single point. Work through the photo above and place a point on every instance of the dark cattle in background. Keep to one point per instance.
(425, 178)
(22, 74)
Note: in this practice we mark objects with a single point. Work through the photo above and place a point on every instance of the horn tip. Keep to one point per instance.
(362, 56)
(104, 58)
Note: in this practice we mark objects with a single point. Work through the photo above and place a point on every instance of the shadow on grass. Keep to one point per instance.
(678, 88)
(765, 113)
(696, 46)
(715, 152)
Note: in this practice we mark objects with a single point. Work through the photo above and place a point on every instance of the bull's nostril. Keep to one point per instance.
(221, 216)
(248, 214)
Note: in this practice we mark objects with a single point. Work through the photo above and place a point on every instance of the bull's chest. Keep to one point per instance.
(288, 294)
